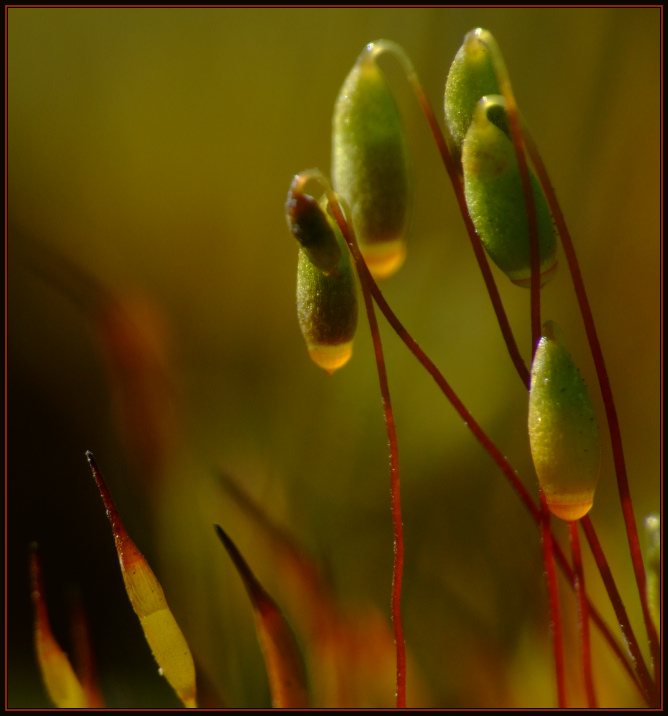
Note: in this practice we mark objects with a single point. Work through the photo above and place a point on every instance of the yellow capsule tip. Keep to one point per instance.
(570, 509)
(330, 358)
(384, 259)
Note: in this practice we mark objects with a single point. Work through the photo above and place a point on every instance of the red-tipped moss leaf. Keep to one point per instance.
(285, 668)
(62, 684)
(162, 633)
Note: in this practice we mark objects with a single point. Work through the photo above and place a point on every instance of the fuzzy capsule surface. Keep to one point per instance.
(371, 166)
(495, 200)
(471, 77)
(563, 429)
(327, 309)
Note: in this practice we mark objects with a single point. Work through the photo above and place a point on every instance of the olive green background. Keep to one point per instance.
(154, 149)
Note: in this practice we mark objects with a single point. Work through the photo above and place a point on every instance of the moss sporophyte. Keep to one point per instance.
(350, 232)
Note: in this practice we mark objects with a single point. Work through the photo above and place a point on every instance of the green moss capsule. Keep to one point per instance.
(327, 306)
(371, 164)
(563, 430)
(471, 77)
(495, 200)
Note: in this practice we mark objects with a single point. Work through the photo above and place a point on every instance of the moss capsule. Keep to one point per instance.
(471, 77)
(327, 307)
(495, 200)
(563, 430)
(371, 165)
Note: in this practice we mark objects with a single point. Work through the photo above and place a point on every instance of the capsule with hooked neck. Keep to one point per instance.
(371, 164)
(495, 199)
(326, 287)
(471, 77)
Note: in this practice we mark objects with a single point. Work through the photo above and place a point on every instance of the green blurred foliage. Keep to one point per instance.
(154, 148)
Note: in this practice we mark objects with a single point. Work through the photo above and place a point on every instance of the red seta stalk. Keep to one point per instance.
(651, 689)
(397, 524)
(553, 600)
(638, 670)
(519, 134)
(583, 614)
(534, 253)
(608, 401)
(478, 249)
(645, 688)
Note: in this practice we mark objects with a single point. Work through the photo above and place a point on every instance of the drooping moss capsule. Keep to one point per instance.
(494, 197)
(471, 77)
(563, 430)
(326, 289)
(371, 164)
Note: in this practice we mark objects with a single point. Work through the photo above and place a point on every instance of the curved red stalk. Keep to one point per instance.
(478, 249)
(608, 401)
(518, 137)
(583, 614)
(450, 394)
(397, 525)
(613, 423)
(553, 601)
(647, 688)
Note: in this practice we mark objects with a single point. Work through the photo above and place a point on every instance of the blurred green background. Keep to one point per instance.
(153, 150)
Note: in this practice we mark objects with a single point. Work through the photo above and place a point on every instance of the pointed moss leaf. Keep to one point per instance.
(145, 593)
(310, 225)
(63, 686)
(371, 166)
(285, 668)
(495, 200)
(327, 308)
(162, 633)
(471, 77)
(563, 429)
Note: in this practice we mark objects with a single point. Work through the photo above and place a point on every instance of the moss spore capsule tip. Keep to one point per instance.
(471, 77)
